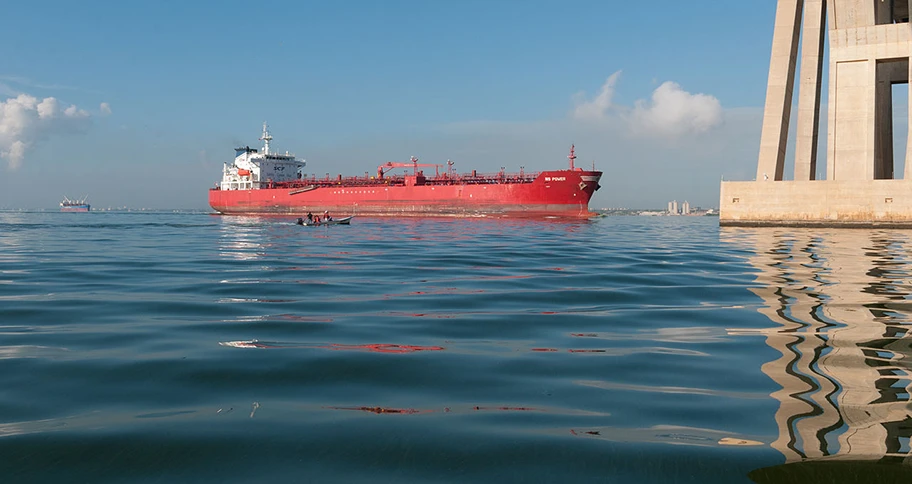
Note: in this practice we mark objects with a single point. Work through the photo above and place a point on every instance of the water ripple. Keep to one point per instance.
(161, 347)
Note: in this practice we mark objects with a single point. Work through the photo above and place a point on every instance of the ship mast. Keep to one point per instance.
(572, 155)
(266, 138)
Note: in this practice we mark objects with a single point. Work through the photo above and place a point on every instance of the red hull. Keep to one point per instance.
(557, 192)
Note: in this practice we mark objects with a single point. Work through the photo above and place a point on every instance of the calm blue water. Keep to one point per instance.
(141, 347)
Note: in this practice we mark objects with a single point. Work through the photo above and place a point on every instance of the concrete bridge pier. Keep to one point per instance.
(870, 42)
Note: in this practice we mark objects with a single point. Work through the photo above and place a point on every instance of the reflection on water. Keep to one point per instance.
(243, 238)
(12, 242)
(839, 301)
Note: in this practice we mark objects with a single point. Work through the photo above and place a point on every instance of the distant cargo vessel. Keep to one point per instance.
(274, 183)
(68, 205)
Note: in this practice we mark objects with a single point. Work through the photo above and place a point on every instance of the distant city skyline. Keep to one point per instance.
(139, 105)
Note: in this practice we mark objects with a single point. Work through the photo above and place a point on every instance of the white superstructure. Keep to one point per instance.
(253, 169)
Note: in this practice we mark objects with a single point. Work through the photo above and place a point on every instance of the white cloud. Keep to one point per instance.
(105, 109)
(74, 112)
(48, 108)
(24, 121)
(675, 112)
(598, 107)
(15, 153)
(670, 113)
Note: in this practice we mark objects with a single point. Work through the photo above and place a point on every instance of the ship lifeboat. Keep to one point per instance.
(243, 172)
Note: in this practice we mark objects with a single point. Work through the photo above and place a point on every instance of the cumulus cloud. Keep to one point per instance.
(48, 108)
(26, 120)
(598, 107)
(675, 112)
(105, 109)
(671, 111)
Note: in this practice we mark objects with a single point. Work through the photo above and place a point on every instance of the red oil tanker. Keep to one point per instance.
(272, 183)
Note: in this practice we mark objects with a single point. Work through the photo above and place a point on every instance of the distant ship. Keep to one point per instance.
(68, 205)
(273, 183)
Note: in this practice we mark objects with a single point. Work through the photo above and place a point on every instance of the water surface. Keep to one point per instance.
(163, 347)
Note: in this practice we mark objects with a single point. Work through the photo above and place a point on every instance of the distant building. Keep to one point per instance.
(685, 208)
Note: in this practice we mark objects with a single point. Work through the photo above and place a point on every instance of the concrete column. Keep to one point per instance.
(831, 112)
(853, 136)
(779, 88)
(814, 33)
(870, 123)
(907, 170)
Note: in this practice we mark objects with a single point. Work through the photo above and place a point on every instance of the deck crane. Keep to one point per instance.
(389, 165)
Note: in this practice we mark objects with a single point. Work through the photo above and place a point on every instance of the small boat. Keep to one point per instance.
(340, 221)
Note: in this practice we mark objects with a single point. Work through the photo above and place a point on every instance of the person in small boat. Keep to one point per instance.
(310, 217)
(300, 221)
(326, 216)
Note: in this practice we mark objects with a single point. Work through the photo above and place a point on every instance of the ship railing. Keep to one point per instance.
(395, 180)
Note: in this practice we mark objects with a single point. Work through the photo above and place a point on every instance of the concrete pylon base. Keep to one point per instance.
(817, 203)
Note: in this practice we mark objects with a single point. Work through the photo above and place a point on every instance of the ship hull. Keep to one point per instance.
(75, 208)
(559, 192)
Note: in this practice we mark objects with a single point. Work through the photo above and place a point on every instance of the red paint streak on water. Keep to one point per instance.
(445, 290)
(384, 348)
(381, 410)
(425, 315)
(412, 411)
(497, 278)
(510, 409)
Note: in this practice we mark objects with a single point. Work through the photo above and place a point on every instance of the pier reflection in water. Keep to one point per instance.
(840, 303)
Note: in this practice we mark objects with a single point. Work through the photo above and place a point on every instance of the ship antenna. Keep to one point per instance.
(572, 155)
(266, 137)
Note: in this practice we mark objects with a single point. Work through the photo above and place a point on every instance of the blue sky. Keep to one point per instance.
(351, 84)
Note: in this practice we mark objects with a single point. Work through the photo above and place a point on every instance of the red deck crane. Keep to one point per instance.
(389, 165)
